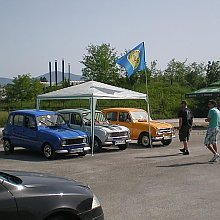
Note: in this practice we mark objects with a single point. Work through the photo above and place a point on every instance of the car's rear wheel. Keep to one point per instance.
(8, 148)
(144, 140)
(48, 151)
(123, 146)
(166, 142)
(97, 145)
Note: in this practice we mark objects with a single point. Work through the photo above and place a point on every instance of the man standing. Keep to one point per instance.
(213, 128)
(185, 126)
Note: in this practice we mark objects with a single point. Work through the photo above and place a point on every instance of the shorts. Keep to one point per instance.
(211, 136)
(184, 133)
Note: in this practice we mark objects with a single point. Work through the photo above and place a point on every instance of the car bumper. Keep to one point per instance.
(94, 214)
(161, 138)
(116, 142)
(73, 150)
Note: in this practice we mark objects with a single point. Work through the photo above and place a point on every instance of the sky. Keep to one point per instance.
(34, 32)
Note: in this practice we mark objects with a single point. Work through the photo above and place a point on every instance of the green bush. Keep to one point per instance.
(3, 118)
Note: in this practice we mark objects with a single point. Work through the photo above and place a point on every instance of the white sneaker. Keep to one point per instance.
(215, 158)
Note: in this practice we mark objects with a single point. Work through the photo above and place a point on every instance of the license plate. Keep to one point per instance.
(166, 137)
(119, 142)
(77, 150)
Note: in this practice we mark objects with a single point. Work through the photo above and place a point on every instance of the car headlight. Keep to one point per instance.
(95, 202)
(159, 132)
(84, 140)
(63, 142)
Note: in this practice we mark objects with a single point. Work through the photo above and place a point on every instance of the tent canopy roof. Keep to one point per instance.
(217, 83)
(92, 89)
(205, 92)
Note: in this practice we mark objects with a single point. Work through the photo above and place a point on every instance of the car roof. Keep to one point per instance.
(34, 112)
(124, 109)
(79, 110)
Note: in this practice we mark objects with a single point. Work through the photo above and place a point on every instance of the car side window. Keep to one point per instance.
(18, 120)
(124, 117)
(66, 117)
(10, 120)
(29, 122)
(76, 119)
(112, 116)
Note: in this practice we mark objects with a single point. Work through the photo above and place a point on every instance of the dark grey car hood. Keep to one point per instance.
(50, 184)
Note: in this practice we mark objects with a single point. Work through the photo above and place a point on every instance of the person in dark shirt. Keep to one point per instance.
(185, 125)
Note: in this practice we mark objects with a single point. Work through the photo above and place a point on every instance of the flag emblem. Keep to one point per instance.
(134, 60)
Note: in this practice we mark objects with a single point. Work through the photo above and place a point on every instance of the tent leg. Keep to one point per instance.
(92, 109)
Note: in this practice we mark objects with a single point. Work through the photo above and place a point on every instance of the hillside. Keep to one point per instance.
(73, 77)
(5, 81)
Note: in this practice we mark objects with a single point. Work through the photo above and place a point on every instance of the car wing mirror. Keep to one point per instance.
(34, 128)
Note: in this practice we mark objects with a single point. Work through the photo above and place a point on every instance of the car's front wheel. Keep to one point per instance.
(48, 151)
(144, 140)
(82, 154)
(166, 142)
(97, 145)
(8, 148)
(123, 146)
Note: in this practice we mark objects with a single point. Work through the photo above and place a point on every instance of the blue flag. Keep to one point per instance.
(134, 60)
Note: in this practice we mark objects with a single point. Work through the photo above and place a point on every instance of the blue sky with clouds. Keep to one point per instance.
(34, 32)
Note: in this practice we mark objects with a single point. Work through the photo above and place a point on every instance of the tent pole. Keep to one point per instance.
(92, 110)
(91, 128)
(148, 109)
(38, 103)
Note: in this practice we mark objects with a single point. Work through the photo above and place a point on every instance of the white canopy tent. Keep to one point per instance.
(91, 90)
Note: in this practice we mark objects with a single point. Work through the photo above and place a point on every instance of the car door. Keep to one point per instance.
(29, 133)
(124, 119)
(8, 210)
(17, 130)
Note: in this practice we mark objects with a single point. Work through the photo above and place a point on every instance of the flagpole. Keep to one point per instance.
(133, 61)
(148, 110)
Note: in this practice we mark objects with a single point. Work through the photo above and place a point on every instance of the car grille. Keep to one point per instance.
(74, 141)
(165, 130)
(118, 134)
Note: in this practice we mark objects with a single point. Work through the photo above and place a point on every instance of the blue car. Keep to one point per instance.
(44, 131)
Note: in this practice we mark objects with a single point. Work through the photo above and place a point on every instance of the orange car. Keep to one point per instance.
(137, 121)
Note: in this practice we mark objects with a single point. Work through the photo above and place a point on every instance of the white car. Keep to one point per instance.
(106, 134)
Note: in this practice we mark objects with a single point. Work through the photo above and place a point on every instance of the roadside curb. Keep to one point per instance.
(198, 123)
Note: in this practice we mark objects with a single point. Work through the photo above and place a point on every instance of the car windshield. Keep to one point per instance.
(10, 178)
(140, 115)
(99, 118)
(50, 120)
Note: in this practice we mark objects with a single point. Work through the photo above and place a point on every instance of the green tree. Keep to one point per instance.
(195, 75)
(213, 72)
(23, 88)
(176, 71)
(156, 74)
(100, 64)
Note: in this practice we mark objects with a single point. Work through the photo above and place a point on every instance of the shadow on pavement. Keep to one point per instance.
(159, 156)
(21, 154)
(185, 164)
(32, 156)
(139, 146)
(108, 150)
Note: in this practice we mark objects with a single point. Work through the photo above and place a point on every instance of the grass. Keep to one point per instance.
(3, 118)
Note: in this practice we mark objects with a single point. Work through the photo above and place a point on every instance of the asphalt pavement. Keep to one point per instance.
(140, 183)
